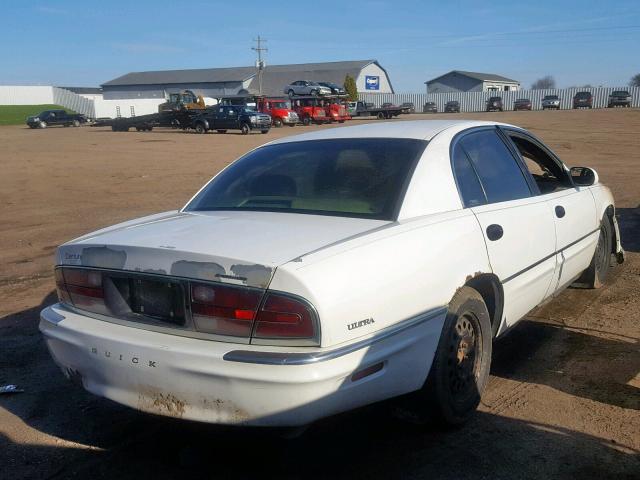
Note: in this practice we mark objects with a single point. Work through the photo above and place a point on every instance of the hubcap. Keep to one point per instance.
(463, 362)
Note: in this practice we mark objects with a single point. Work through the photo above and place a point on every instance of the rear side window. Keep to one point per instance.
(468, 183)
(499, 172)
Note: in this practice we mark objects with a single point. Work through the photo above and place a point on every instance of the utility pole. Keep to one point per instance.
(260, 63)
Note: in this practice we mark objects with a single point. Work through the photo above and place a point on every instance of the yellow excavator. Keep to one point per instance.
(185, 100)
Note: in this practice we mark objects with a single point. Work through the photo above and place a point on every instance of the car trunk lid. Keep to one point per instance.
(242, 248)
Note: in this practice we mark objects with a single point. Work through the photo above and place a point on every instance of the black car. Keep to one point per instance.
(494, 103)
(431, 107)
(522, 104)
(452, 106)
(583, 100)
(335, 88)
(55, 117)
(408, 107)
(231, 117)
(619, 98)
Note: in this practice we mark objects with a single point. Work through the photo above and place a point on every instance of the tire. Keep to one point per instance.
(459, 373)
(277, 122)
(200, 128)
(43, 124)
(245, 129)
(291, 93)
(76, 123)
(306, 121)
(313, 93)
(381, 115)
(596, 274)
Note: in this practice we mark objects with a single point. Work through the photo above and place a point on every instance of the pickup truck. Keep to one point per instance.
(362, 109)
(55, 117)
(619, 98)
(231, 117)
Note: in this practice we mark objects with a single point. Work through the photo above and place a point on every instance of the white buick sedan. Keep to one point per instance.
(330, 270)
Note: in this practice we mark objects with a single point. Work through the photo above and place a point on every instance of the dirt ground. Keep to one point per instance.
(563, 400)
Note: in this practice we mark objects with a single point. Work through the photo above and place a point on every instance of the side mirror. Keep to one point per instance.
(584, 176)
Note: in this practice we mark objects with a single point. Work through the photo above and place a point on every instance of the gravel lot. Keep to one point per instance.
(563, 400)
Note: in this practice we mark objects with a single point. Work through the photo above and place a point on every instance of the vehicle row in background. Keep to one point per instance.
(56, 117)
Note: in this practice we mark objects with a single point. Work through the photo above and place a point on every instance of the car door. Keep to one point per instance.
(518, 226)
(573, 208)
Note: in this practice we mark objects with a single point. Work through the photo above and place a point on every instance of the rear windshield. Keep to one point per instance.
(583, 94)
(361, 177)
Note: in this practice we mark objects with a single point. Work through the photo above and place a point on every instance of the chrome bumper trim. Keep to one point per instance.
(285, 358)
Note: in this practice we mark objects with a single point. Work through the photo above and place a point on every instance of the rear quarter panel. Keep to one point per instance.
(389, 275)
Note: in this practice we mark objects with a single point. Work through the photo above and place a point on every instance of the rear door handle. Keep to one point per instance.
(560, 211)
(494, 232)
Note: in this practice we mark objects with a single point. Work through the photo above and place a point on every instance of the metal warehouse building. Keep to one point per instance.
(460, 81)
(216, 82)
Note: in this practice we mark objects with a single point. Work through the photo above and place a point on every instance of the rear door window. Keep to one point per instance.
(498, 170)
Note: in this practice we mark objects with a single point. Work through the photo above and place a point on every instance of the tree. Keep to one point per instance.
(635, 80)
(543, 83)
(350, 88)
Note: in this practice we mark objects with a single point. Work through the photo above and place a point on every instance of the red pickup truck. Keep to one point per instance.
(279, 110)
(310, 110)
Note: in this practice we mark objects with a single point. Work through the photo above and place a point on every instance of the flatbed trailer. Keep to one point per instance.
(173, 119)
(367, 110)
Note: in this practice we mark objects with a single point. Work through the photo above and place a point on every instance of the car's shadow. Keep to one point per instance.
(629, 222)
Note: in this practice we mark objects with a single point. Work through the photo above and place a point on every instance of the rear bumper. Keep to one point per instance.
(219, 382)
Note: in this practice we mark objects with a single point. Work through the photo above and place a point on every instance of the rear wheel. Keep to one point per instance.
(200, 128)
(277, 122)
(245, 129)
(381, 115)
(306, 121)
(461, 364)
(291, 93)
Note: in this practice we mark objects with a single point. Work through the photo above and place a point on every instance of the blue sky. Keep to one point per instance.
(86, 43)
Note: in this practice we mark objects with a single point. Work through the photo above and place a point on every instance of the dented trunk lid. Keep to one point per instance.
(234, 247)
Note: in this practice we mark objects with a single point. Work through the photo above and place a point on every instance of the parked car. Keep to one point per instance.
(430, 107)
(335, 88)
(231, 117)
(56, 117)
(236, 308)
(583, 100)
(619, 98)
(494, 104)
(452, 106)
(522, 104)
(305, 87)
(408, 107)
(551, 102)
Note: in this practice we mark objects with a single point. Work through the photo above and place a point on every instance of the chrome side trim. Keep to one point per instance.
(297, 358)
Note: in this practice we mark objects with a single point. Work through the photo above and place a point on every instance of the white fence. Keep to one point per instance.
(476, 101)
(45, 95)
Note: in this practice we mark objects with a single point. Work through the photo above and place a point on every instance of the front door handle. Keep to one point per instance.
(560, 211)
(494, 232)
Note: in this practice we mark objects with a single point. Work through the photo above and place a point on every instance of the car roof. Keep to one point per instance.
(418, 129)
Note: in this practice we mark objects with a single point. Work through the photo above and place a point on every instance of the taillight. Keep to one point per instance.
(285, 317)
(238, 312)
(81, 288)
(224, 310)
